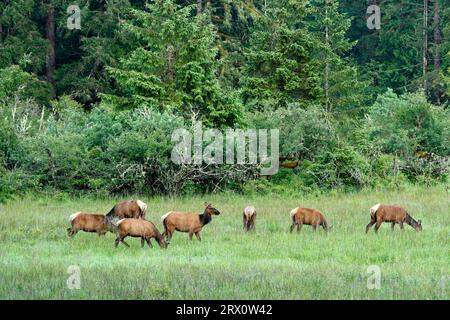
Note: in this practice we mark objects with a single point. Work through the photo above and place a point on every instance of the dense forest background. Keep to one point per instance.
(92, 109)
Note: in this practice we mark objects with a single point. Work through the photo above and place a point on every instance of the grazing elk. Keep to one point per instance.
(380, 213)
(314, 218)
(126, 209)
(87, 222)
(249, 218)
(138, 228)
(187, 222)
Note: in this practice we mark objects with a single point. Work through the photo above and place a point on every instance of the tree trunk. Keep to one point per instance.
(327, 63)
(50, 36)
(437, 55)
(199, 7)
(425, 47)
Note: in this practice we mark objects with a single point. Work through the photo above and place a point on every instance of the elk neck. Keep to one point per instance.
(205, 218)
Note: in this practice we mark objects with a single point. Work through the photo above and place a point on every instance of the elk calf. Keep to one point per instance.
(87, 222)
(138, 228)
(380, 213)
(314, 218)
(249, 218)
(187, 222)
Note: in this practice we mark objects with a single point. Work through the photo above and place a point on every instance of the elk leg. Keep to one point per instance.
(197, 234)
(292, 227)
(190, 235)
(371, 223)
(116, 243)
(314, 227)
(392, 226)
(299, 226)
(142, 242)
(149, 243)
(70, 232)
(244, 222)
(123, 241)
(401, 226)
(254, 221)
(377, 226)
(99, 234)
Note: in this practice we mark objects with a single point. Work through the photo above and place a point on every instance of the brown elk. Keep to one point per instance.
(87, 222)
(249, 218)
(380, 213)
(138, 228)
(187, 222)
(126, 209)
(314, 218)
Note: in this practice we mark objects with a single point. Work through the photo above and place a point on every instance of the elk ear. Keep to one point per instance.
(206, 204)
(419, 221)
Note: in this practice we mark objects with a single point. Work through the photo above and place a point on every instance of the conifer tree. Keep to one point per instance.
(280, 68)
(173, 65)
(340, 77)
(21, 42)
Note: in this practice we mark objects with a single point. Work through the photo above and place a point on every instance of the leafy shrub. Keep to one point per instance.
(303, 133)
(408, 124)
(340, 167)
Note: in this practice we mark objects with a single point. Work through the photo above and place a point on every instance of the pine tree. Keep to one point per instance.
(173, 66)
(22, 53)
(340, 81)
(83, 54)
(280, 68)
(21, 42)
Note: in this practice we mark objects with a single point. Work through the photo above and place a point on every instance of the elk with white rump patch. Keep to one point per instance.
(138, 228)
(126, 209)
(314, 218)
(380, 213)
(187, 222)
(249, 218)
(87, 222)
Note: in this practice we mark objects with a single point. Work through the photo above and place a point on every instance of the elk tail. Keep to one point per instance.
(293, 211)
(374, 209)
(143, 206)
(163, 218)
(73, 216)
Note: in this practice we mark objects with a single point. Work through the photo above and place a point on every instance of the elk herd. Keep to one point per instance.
(127, 219)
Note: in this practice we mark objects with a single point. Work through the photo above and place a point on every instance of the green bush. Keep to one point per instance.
(407, 124)
(340, 167)
(303, 133)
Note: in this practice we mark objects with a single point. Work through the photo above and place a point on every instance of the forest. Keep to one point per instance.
(91, 91)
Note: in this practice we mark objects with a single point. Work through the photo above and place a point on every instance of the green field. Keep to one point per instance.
(269, 264)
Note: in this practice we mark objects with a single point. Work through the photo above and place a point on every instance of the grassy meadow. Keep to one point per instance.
(270, 263)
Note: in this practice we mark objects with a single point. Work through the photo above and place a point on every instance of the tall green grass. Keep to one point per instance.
(270, 263)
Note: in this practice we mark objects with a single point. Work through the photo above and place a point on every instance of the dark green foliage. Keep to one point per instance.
(280, 68)
(21, 42)
(408, 124)
(348, 100)
(303, 133)
(174, 68)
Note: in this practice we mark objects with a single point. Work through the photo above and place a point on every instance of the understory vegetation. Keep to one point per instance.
(93, 109)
